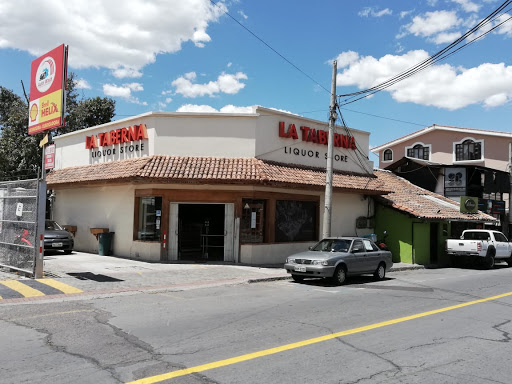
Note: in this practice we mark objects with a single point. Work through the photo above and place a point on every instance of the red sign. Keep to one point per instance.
(117, 136)
(49, 157)
(317, 136)
(47, 91)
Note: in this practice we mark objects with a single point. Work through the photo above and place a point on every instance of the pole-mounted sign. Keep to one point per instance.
(47, 90)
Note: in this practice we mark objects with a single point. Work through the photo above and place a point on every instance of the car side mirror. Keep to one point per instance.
(462, 237)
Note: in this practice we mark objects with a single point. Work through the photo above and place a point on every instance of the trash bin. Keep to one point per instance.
(105, 243)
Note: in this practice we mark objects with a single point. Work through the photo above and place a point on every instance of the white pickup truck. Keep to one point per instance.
(481, 245)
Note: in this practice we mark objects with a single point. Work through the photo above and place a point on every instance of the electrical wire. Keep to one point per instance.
(443, 54)
(270, 47)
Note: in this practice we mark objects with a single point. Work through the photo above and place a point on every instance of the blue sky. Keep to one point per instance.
(188, 55)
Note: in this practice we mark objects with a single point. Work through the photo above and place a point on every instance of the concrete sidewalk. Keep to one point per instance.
(92, 273)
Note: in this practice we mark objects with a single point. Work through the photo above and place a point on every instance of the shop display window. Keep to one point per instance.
(296, 221)
(253, 221)
(150, 216)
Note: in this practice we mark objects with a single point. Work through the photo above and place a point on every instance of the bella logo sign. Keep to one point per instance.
(118, 136)
(317, 136)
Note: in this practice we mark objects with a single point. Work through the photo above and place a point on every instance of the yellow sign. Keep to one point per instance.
(45, 112)
(44, 141)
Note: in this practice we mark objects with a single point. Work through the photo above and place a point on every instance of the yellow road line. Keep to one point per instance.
(60, 286)
(287, 347)
(25, 290)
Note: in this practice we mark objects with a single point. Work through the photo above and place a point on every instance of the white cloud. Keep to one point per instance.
(446, 37)
(506, 28)
(208, 109)
(82, 84)
(373, 12)
(121, 35)
(344, 59)
(467, 5)
(115, 91)
(432, 23)
(136, 87)
(404, 14)
(241, 13)
(442, 86)
(121, 73)
(225, 83)
(124, 91)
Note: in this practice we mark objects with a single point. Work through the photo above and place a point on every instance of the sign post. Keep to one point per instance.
(48, 76)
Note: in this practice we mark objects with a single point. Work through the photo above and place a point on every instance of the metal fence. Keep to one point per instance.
(18, 224)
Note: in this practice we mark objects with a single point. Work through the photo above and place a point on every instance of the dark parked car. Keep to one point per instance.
(339, 257)
(57, 238)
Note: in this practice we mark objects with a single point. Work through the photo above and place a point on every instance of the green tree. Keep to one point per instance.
(20, 154)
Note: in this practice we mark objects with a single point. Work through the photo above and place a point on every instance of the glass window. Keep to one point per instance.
(150, 215)
(500, 237)
(296, 221)
(388, 155)
(358, 246)
(253, 221)
(419, 152)
(468, 150)
(329, 245)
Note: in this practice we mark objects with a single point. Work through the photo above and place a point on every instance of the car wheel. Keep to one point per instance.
(340, 275)
(297, 278)
(380, 272)
(489, 260)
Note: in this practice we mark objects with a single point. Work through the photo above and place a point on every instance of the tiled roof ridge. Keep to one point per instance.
(318, 169)
(414, 186)
(410, 198)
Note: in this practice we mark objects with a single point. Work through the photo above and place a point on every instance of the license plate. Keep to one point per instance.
(300, 269)
(56, 245)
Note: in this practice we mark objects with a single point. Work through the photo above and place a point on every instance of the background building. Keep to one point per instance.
(455, 162)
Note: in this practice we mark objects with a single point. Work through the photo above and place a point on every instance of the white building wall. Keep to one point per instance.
(109, 207)
(346, 209)
(216, 135)
(270, 146)
(211, 136)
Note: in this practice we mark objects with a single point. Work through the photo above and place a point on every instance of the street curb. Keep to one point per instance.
(412, 267)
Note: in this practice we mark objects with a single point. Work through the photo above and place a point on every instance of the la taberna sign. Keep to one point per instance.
(123, 140)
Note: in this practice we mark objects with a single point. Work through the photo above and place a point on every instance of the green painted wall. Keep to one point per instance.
(398, 227)
(421, 243)
(401, 228)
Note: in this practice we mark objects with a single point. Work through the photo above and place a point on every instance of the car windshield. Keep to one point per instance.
(52, 226)
(329, 245)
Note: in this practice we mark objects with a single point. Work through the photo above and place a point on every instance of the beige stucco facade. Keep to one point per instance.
(442, 140)
(266, 134)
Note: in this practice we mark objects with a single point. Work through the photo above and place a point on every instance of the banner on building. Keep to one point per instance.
(455, 182)
(48, 77)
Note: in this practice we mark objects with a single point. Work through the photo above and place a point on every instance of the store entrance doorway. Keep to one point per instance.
(201, 232)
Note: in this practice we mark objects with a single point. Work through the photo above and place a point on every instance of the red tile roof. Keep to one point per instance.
(421, 203)
(201, 170)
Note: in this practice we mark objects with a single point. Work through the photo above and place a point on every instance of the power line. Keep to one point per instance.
(440, 55)
(270, 47)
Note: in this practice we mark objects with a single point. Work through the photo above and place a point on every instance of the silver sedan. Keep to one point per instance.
(338, 257)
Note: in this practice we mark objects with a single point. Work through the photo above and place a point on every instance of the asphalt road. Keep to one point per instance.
(422, 326)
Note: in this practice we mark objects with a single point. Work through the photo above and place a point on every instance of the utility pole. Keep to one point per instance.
(328, 171)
